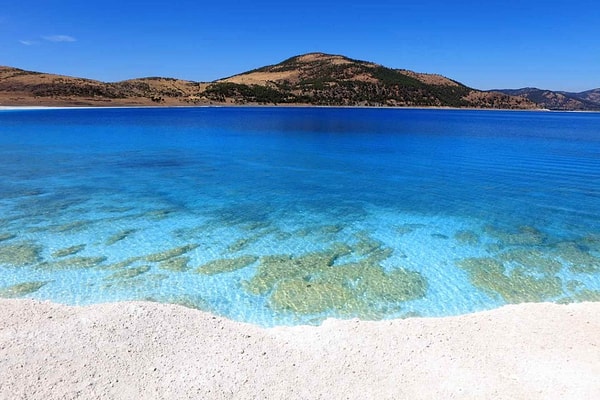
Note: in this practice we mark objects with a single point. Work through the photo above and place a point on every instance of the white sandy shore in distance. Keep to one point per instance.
(147, 350)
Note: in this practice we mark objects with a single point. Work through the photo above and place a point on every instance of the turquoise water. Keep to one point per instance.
(289, 216)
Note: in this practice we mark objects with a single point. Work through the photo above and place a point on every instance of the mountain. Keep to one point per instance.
(556, 100)
(309, 79)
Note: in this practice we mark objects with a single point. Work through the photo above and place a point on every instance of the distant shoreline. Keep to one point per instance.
(8, 108)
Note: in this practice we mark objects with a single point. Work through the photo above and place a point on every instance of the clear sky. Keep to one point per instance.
(484, 44)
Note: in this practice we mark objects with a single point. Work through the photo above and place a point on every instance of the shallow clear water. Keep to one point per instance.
(292, 215)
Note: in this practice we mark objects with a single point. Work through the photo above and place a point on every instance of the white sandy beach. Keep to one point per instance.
(149, 350)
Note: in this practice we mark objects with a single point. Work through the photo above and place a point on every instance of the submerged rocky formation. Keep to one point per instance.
(352, 274)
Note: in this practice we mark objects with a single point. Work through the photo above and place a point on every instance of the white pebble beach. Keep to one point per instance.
(141, 350)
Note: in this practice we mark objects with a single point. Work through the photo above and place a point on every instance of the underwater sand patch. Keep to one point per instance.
(68, 251)
(365, 244)
(467, 237)
(117, 237)
(20, 254)
(439, 236)
(176, 252)
(515, 286)
(21, 289)
(592, 241)
(128, 273)
(177, 264)
(312, 283)
(330, 229)
(581, 296)
(241, 244)
(75, 226)
(7, 236)
(226, 265)
(246, 241)
(272, 269)
(405, 229)
(133, 281)
(190, 301)
(121, 264)
(158, 215)
(532, 259)
(72, 263)
(301, 297)
(525, 236)
(580, 260)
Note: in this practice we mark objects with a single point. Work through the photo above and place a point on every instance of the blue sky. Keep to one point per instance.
(484, 44)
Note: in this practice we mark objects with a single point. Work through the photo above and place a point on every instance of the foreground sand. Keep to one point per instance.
(148, 350)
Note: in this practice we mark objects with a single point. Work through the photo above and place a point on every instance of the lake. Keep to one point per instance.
(283, 216)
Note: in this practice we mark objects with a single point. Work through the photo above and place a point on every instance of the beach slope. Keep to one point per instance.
(149, 350)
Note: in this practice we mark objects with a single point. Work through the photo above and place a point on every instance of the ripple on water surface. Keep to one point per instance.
(287, 228)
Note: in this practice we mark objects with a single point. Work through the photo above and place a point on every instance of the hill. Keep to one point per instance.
(324, 79)
(20, 87)
(556, 100)
(309, 79)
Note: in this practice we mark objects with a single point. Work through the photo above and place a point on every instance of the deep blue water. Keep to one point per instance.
(479, 208)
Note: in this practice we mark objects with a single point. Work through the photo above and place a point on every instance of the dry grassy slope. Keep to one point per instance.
(295, 68)
(314, 78)
(589, 100)
(592, 95)
(555, 100)
(292, 70)
(429, 79)
(19, 87)
(163, 89)
(326, 79)
(499, 100)
(17, 80)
